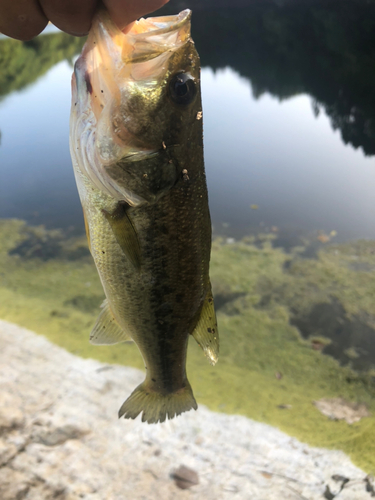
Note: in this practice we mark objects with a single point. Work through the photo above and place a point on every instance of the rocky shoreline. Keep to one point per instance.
(60, 438)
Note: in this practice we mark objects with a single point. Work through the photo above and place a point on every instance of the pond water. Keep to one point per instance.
(289, 136)
(259, 151)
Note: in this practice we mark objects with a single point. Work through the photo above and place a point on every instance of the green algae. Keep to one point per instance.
(267, 371)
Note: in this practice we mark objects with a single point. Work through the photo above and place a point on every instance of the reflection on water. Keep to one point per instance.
(278, 156)
(288, 120)
(275, 155)
(23, 63)
(36, 178)
(292, 47)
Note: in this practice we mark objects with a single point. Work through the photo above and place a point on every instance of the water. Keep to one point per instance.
(261, 148)
(279, 156)
(276, 155)
(289, 136)
(36, 176)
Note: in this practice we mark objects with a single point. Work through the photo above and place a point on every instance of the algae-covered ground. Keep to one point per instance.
(282, 317)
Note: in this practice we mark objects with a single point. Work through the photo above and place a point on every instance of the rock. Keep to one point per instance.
(51, 435)
(7, 452)
(14, 485)
(185, 477)
(61, 440)
(11, 415)
(340, 409)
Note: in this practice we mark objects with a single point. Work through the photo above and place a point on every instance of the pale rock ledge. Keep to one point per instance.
(60, 439)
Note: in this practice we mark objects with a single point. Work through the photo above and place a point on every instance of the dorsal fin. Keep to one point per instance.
(206, 332)
(106, 330)
(125, 233)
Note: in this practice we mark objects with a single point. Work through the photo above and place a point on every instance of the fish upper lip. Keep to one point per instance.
(147, 39)
(173, 23)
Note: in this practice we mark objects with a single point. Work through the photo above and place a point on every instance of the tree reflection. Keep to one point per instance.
(21, 63)
(325, 49)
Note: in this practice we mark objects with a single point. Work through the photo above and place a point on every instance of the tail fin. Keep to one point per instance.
(157, 407)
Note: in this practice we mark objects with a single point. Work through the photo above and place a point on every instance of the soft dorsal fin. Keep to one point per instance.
(125, 233)
(205, 332)
(106, 330)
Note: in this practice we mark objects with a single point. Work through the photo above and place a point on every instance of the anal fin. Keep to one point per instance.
(106, 330)
(206, 332)
(125, 233)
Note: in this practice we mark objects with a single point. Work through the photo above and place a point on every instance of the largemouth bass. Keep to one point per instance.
(137, 151)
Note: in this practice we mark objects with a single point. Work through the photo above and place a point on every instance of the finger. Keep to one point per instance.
(125, 12)
(69, 15)
(22, 19)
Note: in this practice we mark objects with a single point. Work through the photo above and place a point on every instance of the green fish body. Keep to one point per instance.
(137, 152)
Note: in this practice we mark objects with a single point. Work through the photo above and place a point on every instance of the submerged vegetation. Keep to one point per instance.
(280, 314)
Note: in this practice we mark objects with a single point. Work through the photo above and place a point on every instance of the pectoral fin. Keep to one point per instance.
(87, 229)
(205, 332)
(125, 233)
(106, 330)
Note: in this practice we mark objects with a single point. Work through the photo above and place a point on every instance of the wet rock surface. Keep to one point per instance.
(60, 438)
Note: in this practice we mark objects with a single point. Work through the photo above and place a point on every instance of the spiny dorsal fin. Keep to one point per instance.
(106, 330)
(205, 332)
(125, 233)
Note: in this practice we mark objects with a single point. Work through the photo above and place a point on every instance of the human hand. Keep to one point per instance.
(25, 19)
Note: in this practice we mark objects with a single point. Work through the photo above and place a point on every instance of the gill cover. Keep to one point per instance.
(119, 112)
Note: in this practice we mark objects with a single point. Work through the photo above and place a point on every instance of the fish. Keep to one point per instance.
(136, 143)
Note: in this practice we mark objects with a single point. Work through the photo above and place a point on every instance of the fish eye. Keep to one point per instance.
(182, 88)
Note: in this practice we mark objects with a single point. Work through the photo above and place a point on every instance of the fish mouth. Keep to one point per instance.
(148, 38)
(161, 25)
(109, 52)
(153, 36)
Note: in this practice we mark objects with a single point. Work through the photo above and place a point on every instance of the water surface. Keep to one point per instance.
(269, 136)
